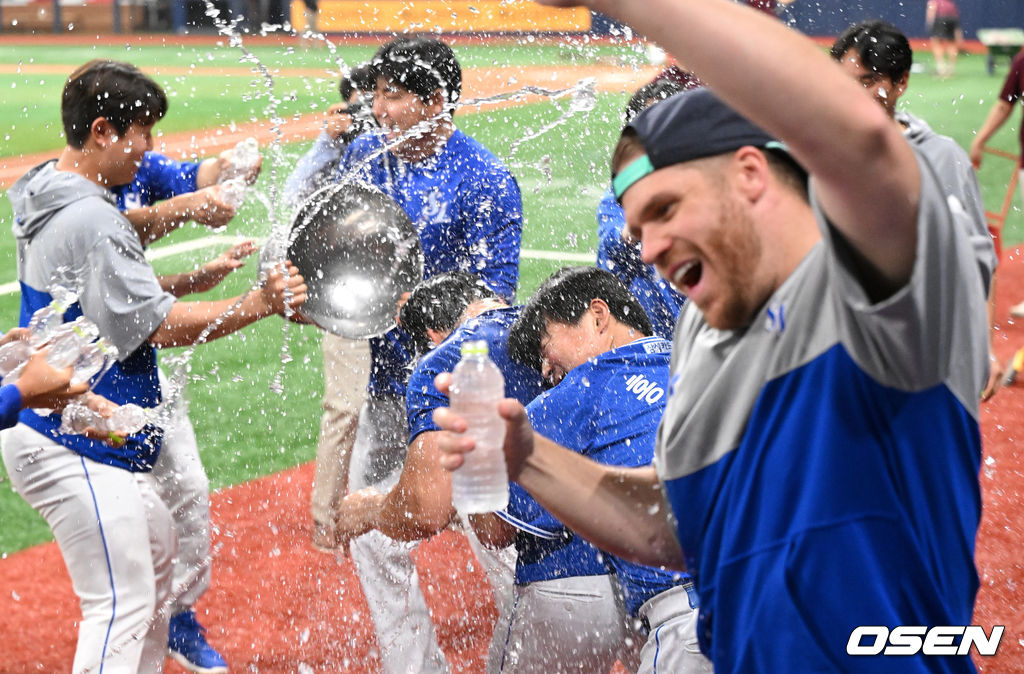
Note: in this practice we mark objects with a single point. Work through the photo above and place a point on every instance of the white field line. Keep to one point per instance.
(209, 241)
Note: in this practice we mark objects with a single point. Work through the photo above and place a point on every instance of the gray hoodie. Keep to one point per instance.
(69, 230)
(66, 222)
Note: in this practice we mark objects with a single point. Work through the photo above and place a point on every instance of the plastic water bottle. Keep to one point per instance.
(232, 192)
(93, 359)
(46, 321)
(244, 157)
(129, 418)
(13, 355)
(76, 417)
(480, 485)
(69, 340)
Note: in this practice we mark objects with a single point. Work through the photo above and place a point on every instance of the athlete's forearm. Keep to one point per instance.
(420, 504)
(619, 510)
(187, 320)
(154, 222)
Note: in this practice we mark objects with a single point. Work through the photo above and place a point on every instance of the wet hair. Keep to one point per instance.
(880, 46)
(114, 90)
(648, 95)
(563, 298)
(438, 303)
(421, 65)
(360, 78)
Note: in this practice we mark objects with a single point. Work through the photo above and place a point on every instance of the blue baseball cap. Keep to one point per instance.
(690, 125)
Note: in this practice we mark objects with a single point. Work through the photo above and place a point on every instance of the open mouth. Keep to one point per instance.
(688, 275)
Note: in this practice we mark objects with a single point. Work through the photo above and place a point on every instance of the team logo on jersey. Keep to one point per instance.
(644, 389)
(435, 209)
(132, 200)
(775, 317)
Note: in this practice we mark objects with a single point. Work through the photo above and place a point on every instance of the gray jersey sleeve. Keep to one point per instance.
(932, 330)
(120, 291)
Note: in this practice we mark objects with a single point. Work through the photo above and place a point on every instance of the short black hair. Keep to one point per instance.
(881, 47)
(648, 94)
(360, 78)
(421, 65)
(438, 303)
(563, 298)
(114, 90)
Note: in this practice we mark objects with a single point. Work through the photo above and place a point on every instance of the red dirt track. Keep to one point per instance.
(275, 603)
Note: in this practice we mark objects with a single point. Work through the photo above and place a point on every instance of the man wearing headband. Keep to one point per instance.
(816, 467)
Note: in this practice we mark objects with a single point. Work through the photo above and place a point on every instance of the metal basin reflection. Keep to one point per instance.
(358, 252)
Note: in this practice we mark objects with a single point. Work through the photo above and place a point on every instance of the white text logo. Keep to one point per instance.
(914, 639)
(644, 388)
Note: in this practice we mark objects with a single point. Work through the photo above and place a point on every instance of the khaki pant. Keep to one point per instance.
(346, 373)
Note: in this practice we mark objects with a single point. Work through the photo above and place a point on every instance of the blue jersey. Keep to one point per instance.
(822, 463)
(422, 397)
(468, 212)
(658, 298)
(625, 394)
(158, 178)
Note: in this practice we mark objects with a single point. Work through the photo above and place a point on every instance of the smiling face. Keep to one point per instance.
(700, 235)
(398, 109)
(123, 153)
(881, 87)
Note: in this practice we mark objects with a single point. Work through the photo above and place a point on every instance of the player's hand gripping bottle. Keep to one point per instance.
(480, 485)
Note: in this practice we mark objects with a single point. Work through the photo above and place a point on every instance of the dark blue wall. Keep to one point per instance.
(831, 17)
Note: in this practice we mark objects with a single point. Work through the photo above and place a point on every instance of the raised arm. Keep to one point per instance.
(865, 174)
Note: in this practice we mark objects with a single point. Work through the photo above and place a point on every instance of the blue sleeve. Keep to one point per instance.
(10, 405)
(614, 253)
(164, 177)
(494, 210)
(421, 396)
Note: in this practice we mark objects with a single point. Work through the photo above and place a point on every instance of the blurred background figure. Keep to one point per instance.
(943, 21)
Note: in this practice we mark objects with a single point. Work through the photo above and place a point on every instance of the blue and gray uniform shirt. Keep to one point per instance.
(158, 178)
(624, 393)
(468, 212)
(66, 224)
(822, 464)
(422, 397)
(659, 299)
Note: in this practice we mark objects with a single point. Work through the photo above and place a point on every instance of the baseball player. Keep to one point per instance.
(440, 315)
(467, 210)
(162, 196)
(822, 420)
(659, 299)
(114, 532)
(346, 362)
(879, 56)
(590, 337)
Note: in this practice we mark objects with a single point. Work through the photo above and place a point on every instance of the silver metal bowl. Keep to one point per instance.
(358, 252)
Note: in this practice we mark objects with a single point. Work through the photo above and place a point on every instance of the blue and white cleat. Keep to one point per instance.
(188, 647)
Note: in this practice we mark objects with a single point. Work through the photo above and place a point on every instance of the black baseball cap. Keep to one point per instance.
(689, 125)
